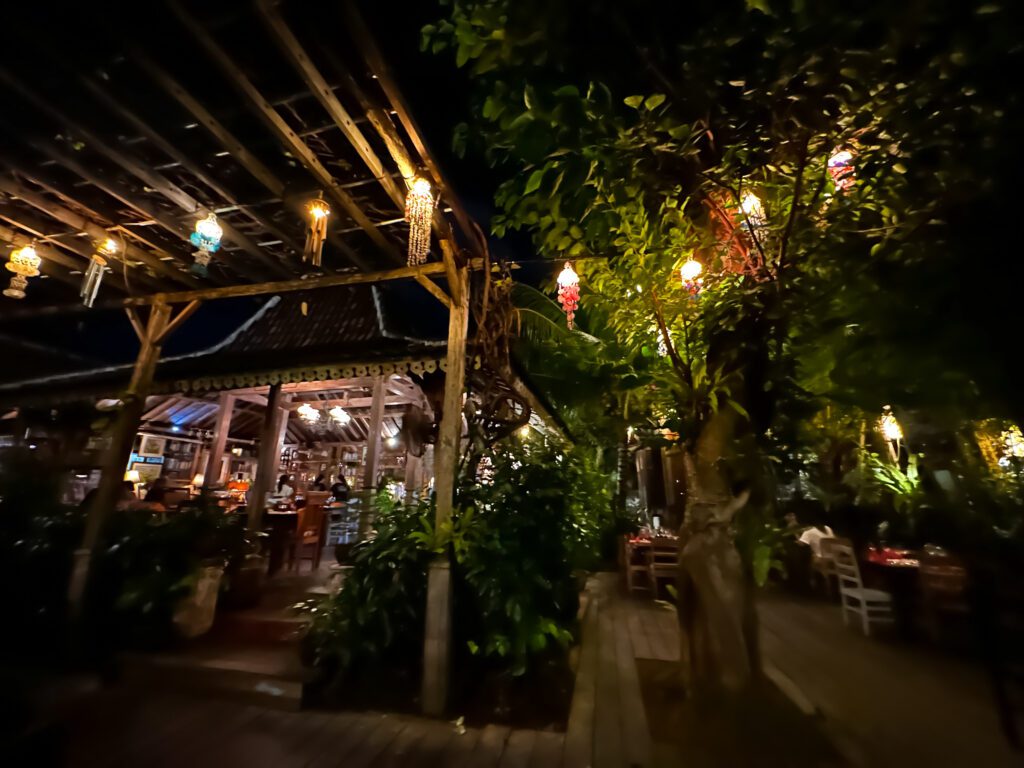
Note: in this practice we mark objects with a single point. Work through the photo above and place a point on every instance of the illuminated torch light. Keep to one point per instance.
(569, 293)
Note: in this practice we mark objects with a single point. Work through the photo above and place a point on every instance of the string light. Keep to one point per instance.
(569, 292)
(319, 211)
(94, 272)
(419, 210)
(24, 263)
(207, 239)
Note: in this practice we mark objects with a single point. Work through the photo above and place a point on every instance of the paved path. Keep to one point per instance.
(886, 703)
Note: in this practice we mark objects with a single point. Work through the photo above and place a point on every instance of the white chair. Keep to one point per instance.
(872, 605)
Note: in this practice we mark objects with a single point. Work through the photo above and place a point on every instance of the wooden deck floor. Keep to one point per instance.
(125, 729)
(886, 703)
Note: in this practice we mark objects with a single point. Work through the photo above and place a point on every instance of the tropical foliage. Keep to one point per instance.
(634, 138)
(534, 514)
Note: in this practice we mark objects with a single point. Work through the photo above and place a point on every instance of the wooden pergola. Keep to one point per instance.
(140, 127)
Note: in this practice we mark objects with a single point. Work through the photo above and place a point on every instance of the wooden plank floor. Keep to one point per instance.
(886, 702)
(124, 728)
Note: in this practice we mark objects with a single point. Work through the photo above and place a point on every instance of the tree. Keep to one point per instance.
(637, 139)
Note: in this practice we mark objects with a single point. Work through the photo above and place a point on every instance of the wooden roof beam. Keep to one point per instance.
(307, 70)
(144, 209)
(285, 134)
(58, 256)
(139, 170)
(363, 39)
(236, 149)
(161, 143)
(289, 286)
(81, 224)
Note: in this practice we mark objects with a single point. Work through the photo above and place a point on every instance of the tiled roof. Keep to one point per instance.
(326, 327)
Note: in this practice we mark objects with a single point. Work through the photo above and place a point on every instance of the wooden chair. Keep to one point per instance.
(943, 590)
(872, 605)
(634, 561)
(309, 532)
(662, 562)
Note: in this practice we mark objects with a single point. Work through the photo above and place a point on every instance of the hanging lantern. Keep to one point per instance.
(888, 426)
(690, 274)
(24, 263)
(318, 213)
(340, 415)
(753, 211)
(309, 414)
(419, 209)
(94, 272)
(207, 239)
(569, 292)
(841, 169)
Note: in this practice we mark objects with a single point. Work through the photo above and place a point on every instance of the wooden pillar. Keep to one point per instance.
(437, 637)
(266, 461)
(225, 406)
(412, 477)
(125, 428)
(372, 462)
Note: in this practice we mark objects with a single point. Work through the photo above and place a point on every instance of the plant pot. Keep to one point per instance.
(193, 616)
(342, 552)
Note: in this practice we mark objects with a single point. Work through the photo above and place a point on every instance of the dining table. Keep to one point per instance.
(896, 569)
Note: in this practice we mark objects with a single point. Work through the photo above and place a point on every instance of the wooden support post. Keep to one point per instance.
(437, 638)
(122, 439)
(412, 477)
(266, 464)
(225, 405)
(372, 462)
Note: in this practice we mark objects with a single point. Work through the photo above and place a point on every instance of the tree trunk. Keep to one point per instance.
(714, 609)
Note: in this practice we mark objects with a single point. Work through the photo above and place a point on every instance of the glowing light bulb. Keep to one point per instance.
(308, 413)
(691, 270)
(753, 209)
(420, 186)
(109, 246)
(318, 209)
(340, 415)
(888, 426)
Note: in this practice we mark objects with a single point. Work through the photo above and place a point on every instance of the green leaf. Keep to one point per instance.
(634, 101)
(654, 101)
(533, 183)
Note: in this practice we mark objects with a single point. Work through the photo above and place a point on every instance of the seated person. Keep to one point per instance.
(285, 492)
(812, 538)
(340, 489)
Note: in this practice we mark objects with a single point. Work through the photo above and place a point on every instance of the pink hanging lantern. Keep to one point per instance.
(840, 168)
(569, 292)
